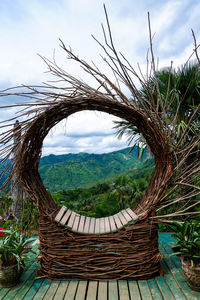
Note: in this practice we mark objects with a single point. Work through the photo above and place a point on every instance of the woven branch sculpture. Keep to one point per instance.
(132, 250)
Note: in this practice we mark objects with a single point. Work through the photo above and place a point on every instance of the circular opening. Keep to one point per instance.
(89, 170)
(31, 148)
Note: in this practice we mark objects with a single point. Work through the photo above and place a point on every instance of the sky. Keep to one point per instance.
(29, 28)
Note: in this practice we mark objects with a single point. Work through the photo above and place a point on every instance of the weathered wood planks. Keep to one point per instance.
(60, 214)
(65, 217)
(87, 225)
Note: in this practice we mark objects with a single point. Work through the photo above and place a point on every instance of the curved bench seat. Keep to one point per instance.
(88, 225)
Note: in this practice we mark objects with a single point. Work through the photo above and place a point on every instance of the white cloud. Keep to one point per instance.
(34, 26)
(86, 131)
(165, 16)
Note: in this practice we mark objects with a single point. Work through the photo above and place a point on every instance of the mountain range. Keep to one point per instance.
(68, 171)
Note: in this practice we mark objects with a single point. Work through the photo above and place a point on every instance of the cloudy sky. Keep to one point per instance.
(29, 27)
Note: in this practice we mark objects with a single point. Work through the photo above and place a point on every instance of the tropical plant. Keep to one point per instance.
(121, 190)
(132, 133)
(179, 92)
(13, 247)
(187, 235)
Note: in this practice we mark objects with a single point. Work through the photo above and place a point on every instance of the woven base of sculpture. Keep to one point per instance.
(129, 253)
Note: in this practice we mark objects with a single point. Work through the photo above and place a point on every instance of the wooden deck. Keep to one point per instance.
(170, 286)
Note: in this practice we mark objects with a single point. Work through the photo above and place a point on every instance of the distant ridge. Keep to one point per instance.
(68, 171)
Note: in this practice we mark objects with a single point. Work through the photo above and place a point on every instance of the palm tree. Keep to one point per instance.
(121, 190)
(180, 91)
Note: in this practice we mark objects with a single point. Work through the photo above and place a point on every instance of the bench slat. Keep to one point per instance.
(131, 213)
(92, 225)
(87, 225)
(126, 215)
(71, 220)
(97, 225)
(107, 225)
(112, 223)
(76, 222)
(122, 219)
(60, 213)
(84, 224)
(81, 224)
(117, 221)
(65, 217)
(102, 228)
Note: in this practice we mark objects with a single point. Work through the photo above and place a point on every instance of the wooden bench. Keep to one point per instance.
(88, 225)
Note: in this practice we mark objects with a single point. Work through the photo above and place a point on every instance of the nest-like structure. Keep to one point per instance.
(132, 251)
(29, 155)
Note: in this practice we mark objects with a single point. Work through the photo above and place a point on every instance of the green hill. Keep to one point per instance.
(70, 171)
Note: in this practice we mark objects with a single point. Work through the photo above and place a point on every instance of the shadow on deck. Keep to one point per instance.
(169, 286)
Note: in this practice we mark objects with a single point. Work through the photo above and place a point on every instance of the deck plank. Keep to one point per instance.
(42, 290)
(4, 292)
(173, 285)
(28, 275)
(33, 290)
(177, 274)
(81, 290)
(181, 279)
(62, 288)
(144, 289)
(103, 290)
(134, 290)
(52, 290)
(164, 289)
(71, 291)
(123, 290)
(113, 290)
(155, 292)
(25, 287)
(92, 290)
(167, 266)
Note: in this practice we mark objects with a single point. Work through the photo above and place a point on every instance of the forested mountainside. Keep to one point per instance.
(64, 172)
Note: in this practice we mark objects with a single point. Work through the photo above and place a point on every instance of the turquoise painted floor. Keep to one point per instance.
(169, 286)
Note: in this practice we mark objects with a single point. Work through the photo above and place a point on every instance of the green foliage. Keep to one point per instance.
(30, 218)
(181, 87)
(84, 170)
(187, 235)
(179, 91)
(107, 198)
(125, 128)
(30, 215)
(108, 205)
(13, 247)
(100, 200)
